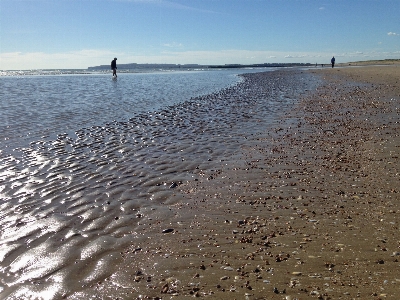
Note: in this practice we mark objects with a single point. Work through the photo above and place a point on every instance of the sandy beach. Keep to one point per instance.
(309, 211)
(225, 196)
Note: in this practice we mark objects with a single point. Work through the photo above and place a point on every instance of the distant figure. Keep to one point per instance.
(114, 67)
(333, 61)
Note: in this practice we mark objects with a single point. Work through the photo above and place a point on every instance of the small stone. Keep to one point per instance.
(164, 288)
(266, 281)
(297, 273)
(329, 265)
(168, 230)
(247, 285)
(314, 293)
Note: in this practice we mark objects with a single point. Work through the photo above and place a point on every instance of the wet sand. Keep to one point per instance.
(309, 210)
(73, 203)
(303, 206)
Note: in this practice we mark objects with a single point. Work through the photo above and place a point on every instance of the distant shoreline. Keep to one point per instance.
(131, 66)
(233, 66)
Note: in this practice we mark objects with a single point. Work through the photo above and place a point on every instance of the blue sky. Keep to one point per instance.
(39, 34)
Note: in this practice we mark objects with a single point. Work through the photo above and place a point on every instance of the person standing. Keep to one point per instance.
(114, 67)
(333, 61)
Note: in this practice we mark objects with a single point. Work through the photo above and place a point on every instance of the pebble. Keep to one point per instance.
(168, 230)
(173, 185)
(297, 273)
(266, 281)
(224, 278)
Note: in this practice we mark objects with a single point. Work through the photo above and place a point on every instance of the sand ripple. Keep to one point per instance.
(69, 205)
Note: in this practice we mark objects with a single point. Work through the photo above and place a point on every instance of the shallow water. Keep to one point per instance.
(70, 202)
(36, 106)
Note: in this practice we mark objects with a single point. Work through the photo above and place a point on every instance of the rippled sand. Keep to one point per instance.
(71, 207)
(283, 187)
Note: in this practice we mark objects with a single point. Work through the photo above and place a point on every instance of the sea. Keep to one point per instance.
(86, 159)
(36, 104)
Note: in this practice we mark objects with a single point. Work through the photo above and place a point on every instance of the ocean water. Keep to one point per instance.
(32, 107)
(88, 163)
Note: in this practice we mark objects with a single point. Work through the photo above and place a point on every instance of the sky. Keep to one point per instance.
(76, 34)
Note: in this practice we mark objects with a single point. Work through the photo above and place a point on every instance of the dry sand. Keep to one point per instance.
(309, 211)
(372, 63)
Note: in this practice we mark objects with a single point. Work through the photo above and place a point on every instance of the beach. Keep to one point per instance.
(235, 205)
(309, 210)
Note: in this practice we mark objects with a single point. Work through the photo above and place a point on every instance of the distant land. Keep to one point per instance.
(143, 67)
(372, 62)
(133, 66)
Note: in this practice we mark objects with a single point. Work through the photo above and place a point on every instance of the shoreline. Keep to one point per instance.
(309, 211)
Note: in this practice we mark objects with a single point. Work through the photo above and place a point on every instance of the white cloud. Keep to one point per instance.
(90, 57)
(392, 33)
(66, 60)
(296, 56)
(322, 8)
(170, 4)
(214, 57)
(173, 45)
